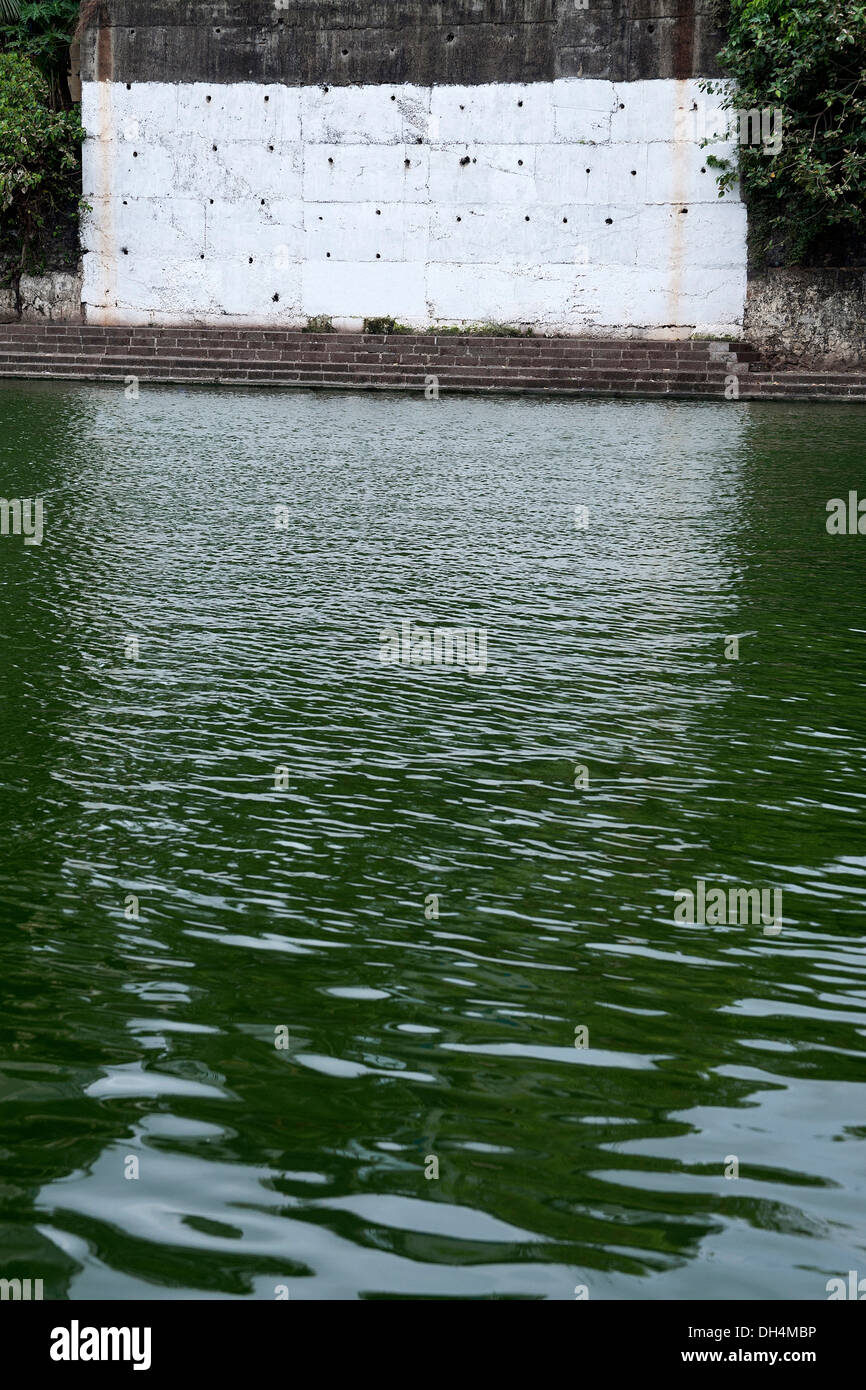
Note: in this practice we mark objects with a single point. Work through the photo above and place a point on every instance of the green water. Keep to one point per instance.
(307, 907)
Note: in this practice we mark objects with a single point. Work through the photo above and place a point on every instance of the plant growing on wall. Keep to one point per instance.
(806, 58)
(40, 153)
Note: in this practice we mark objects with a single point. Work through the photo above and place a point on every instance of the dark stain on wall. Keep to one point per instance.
(340, 42)
(104, 38)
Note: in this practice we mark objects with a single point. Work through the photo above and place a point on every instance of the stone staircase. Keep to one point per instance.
(285, 357)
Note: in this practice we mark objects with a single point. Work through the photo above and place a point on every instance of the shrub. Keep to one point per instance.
(319, 323)
(385, 325)
(808, 59)
(40, 163)
(41, 30)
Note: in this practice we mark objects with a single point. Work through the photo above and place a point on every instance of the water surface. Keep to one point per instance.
(148, 786)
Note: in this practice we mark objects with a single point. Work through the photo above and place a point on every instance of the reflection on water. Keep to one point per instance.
(278, 995)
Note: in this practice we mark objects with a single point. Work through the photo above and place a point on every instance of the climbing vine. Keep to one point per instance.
(806, 58)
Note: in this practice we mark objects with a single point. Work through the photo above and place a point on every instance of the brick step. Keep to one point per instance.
(242, 335)
(355, 349)
(808, 378)
(168, 366)
(210, 350)
(327, 380)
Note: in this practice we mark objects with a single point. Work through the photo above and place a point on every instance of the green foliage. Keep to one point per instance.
(808, 58)
(486, 330)
(385, 325)
(42, 30)
(319, 323)
(40, 161)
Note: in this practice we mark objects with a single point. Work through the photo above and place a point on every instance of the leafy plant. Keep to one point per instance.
(385, 325)
(808, 59)
(486, 330)
(319, 323)
(40, 168)
(42, 30)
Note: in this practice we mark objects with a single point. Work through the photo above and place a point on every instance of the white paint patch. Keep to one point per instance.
(577, 206)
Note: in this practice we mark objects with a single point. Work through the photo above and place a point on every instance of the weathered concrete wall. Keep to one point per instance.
(801, 313)
(571, 205)
(440, 161)
(422, 42)
(54, 297)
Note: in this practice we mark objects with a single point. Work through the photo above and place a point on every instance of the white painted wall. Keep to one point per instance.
(353, 202)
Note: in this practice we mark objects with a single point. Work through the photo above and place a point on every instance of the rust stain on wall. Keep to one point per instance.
(684, 41)
(105, 137)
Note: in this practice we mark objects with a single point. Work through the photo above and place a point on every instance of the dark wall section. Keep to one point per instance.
(416, 41)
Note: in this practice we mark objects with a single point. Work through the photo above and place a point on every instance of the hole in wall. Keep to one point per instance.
(703, 171)
(129, 86)
(345, 52)
(459, 219)
(407, 163)
(449, 38)
(520, 163)
(565, 219)
(520, 103)
(683, 210)
(124, 250)
(330, 159)
(650, 28)
(634, 173)
(622, 106)
(465, 160)
(207, 98)
(276, 299)
(589, 171)
(526, 219)
(327, 255)
(378, 212)
(135, 154)
(211, 201)
(608, 221)
(393, 98)
(251, 260)
(267, 98)
(270, 148)
(201, 257)
(378, 257)
(214, 149)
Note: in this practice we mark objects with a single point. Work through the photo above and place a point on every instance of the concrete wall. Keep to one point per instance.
(803, 313)
(54, 297)
(569, 205)
(476, 160)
